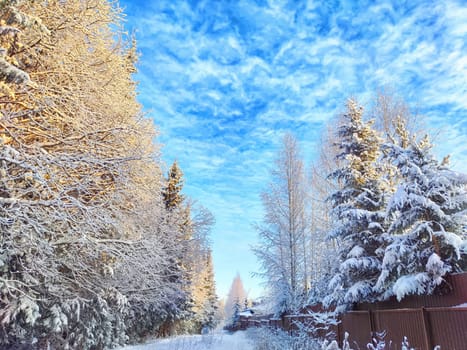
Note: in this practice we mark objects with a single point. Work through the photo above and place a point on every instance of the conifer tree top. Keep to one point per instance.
(172, 193)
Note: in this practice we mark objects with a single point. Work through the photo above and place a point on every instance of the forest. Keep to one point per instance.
(100, 246)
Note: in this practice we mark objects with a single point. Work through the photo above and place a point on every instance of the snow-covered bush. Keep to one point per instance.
(277, 339)
(316, 324)
(377, 343)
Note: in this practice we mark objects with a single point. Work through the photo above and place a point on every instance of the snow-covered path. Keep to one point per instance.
(215, 341)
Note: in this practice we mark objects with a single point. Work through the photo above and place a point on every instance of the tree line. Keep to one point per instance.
(375, 216)
(99, 247)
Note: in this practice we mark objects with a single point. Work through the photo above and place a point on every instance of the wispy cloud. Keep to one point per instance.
(225, 79)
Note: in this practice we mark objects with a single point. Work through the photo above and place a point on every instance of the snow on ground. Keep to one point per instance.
(214, 341)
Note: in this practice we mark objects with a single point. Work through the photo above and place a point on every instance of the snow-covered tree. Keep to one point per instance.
(210, 302)
(204, 296)
(191, 258)
(322, 250)
(237, 295)
(357, 210)
(71, 140)
(236, 309)
(87, 240)
(172, 195)
(427, 217)
(285, 232)
(388, 110)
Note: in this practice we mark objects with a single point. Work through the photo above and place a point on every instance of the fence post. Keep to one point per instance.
(339, 329)
(372, 324)
(427, 328)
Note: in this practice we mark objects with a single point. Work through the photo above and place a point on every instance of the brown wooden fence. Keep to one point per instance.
(426, 321)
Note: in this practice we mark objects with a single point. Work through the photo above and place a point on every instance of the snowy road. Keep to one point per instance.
(216, 341)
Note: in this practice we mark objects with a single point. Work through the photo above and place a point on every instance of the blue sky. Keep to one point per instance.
(224, 80)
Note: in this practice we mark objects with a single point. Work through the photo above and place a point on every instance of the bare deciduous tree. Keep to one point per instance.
(284, 234)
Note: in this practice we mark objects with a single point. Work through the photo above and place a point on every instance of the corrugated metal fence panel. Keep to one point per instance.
(451, 293)
(458, 286)
(397, 324)
(357, 324)
(448, 327)
(425, 320)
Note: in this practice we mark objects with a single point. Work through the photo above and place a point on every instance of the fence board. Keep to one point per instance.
(357, 324)
(449, 327)
(400, 323)
(452, 292)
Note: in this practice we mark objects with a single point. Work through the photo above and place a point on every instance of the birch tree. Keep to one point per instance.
(323, 250)
(387, 109)
(284, 234)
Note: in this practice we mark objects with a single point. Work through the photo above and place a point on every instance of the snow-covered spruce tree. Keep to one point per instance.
(285, 232)
(204, 295)
(357, 211)
(427, 215)
(236, 309)
(191, 227)
(172, 192)
(178, 212)
(237, 295)
(145, 273)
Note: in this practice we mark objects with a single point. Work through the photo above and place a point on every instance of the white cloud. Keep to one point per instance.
(225, 81)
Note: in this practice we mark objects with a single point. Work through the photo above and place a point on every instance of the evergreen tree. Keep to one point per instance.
(357, 210)
(236, 295)
(172, 192)
(192, 260)
(204, 295)
(178, 213)
(427, 216)
(237, 308)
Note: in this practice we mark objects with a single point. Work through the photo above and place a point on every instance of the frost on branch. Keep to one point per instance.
(13, 21)
(9, 73)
